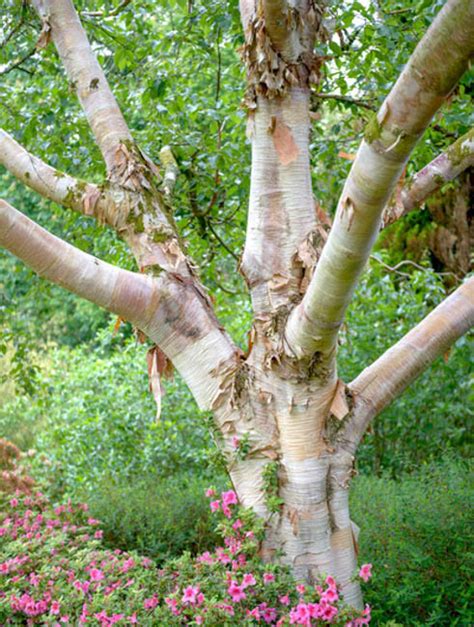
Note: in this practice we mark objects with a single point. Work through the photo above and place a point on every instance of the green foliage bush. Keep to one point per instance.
(160, 517)
(93, 415)
(417, 532)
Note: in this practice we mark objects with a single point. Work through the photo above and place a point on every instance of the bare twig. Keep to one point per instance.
(408, 262)
(17, 65)
(347, 99)
(221, 241)
(120, 7)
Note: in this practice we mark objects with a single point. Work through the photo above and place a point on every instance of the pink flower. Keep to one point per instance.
(248, 580)
(55, 607)
(190, 594)
(214, 505)
(284, 600)
(236, 592)
(128, 564)
(132, 619)
(13, 502)
(198, 620)
(93, 521)
(237, 524)
(330, 595)
(268, 578)
(235, 441)
(210, 492)
(329, 612)
(205, 558)
(150, 604)
(331, 582)
(300, 615)
(222, 556)
(229, 498)
(98, 535)
(172, 604)
(255, 613)
(227, 608)
(96, 574)
(301, 588)
(365, 572)
(269, 614)
(226, 511)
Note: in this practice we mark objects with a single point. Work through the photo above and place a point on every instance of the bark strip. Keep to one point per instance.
(384, 380)
(436, 65)
(444, 168)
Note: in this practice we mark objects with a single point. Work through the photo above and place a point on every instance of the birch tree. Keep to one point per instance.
(300, 423)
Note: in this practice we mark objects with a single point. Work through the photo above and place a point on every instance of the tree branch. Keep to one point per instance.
(120, 7)
(447, 166)
(169, 309)
(127, 294)
(85, 74)
(384, 380)
(50, 183)
(436, 65)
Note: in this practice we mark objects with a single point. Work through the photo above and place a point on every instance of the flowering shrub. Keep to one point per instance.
(53, 571)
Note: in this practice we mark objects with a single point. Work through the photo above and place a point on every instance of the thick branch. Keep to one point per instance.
(384, 380)
(127, 294)
(438, 62)
(446, 167)
(86, 76)
(172, 312)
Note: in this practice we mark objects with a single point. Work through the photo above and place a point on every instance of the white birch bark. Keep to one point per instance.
(170, 313)
(50, 183)
(85, 76)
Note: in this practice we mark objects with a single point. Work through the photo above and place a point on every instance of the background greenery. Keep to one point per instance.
(78, 393)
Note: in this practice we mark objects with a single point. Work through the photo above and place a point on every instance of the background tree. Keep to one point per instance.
(299, 423)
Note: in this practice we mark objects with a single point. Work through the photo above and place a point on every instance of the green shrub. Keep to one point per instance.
(93, 415)
(418, 535)
(160, 517)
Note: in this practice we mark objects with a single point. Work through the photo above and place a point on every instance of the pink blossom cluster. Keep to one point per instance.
(83, 584)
